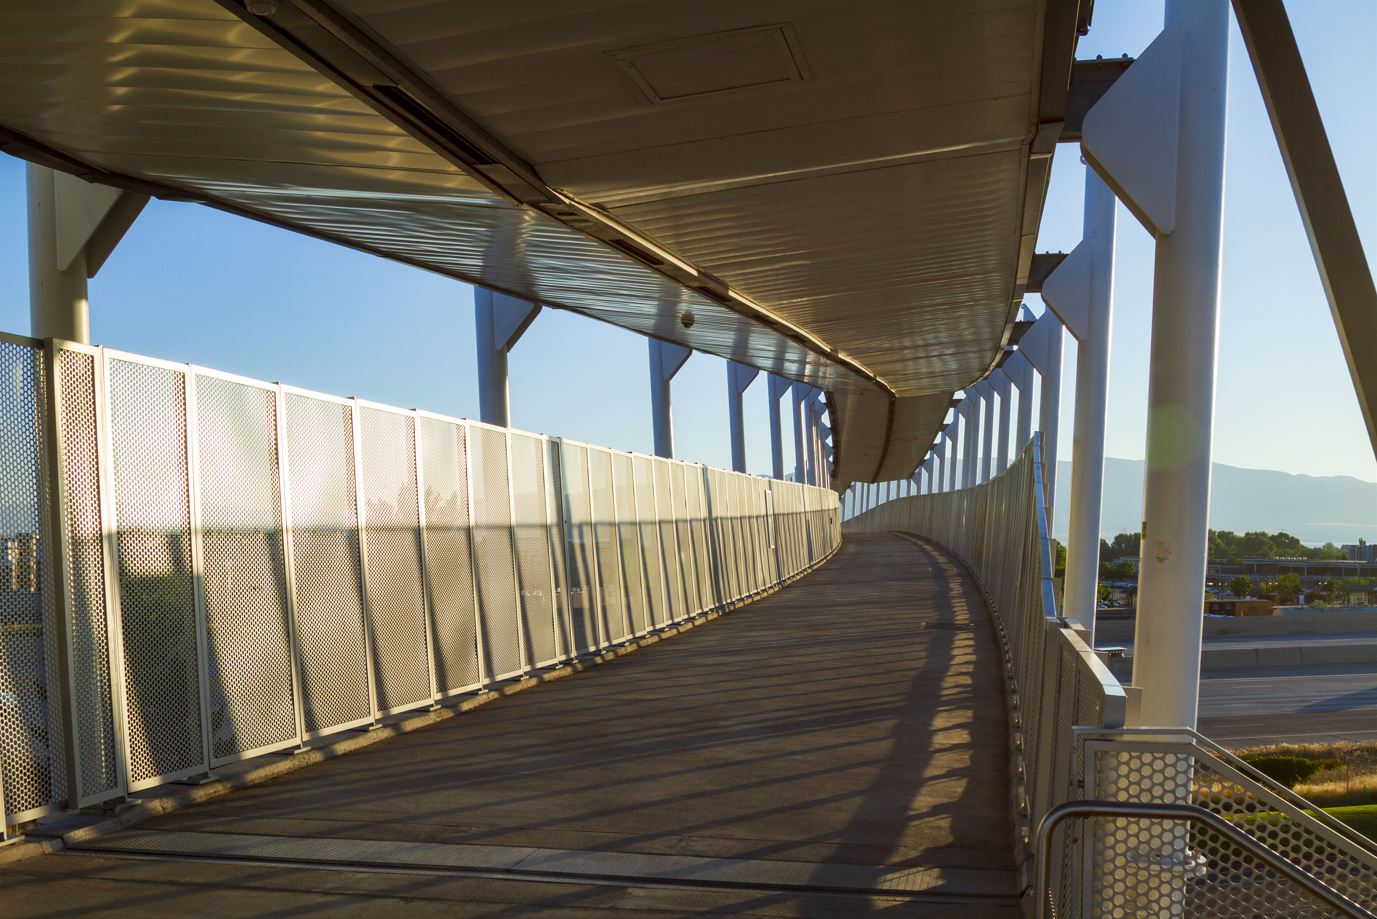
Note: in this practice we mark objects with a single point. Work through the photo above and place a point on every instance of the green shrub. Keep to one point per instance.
(1288, 770)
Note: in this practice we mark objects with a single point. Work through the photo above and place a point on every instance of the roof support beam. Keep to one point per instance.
(666, 359)
(739, 377)
(1089, 81)
(73, 227)
(1319, 192)
(500, 321)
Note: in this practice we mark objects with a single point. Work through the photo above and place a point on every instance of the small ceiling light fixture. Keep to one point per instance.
(686, 319)
(261, 7)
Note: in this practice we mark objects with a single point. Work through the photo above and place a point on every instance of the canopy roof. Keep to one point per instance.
(844, 192)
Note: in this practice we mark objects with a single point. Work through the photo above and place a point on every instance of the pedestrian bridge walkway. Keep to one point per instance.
(837, 747)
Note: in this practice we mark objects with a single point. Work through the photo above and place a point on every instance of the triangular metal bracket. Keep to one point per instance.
(1036, 343)
(1132, 134)
(1067, 290)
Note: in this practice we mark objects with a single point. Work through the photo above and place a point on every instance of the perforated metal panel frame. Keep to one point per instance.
(252, 690)
(530, 534)
(398, 630)
(584, 589)
(631, 544)
(33, 769)
(327, 583)
(450, 585)
(161, 621)
(615, 595)
(494, 552)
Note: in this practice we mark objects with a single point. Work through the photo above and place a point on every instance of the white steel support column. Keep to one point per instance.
(499, 323)
(1081, 292)
(73, 227)
(1181, 379)
(1021, 374)
(799, 393)
(739, 377)
(970, 437)
(1002, 385)
(1042, 345)
(778, 386)
(987, 397)
(665, 360)
(939, 451)
(954, 450)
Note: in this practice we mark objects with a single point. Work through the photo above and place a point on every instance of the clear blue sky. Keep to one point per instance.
(189, 283)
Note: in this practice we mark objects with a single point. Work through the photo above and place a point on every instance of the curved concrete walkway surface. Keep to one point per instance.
(838, 748)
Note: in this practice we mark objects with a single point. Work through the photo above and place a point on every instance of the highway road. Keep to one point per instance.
(1295, 704)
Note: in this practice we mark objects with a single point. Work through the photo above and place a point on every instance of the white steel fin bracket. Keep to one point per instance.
(1131, 135)
(1066, 291)
(92, 219)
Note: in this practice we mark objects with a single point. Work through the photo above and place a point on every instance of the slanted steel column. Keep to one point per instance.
(739, 377)
(1157, 139)
(778, 386)
(1081, 292)
(1001, 383)
(1319, 191)
(74, 225)
(499, 323)
(665, 360)
(987, 396)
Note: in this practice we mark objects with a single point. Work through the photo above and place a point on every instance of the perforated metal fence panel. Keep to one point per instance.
(329, 607)
(162, 684)
(581, 550)
(642, 469)
(31, 727)
(392, 553)
(244, 576)
(679, 474)
(669, 540)
(449, 555)
(532, 534)
(614, 599)
(554, 545)
(698, 526)
(494, 560)
(93, 695)
(629, 532)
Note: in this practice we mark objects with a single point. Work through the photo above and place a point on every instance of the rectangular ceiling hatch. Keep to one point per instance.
(720, 62)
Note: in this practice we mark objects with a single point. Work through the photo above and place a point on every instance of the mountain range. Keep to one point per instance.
(1314, 509)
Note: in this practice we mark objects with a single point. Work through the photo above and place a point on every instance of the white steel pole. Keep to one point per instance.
(1024, 381)
(1002, 384)
(954, 450)
(1092, 381)
(1049, 416)
(987, 438)
(1181, 376)
(58, 305)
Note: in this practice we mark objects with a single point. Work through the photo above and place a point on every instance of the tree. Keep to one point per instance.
(1239, 586)
(1288, 588)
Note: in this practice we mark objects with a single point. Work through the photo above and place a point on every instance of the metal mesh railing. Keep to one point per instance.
(1054, 680)
(196, 568)
(1068, 744)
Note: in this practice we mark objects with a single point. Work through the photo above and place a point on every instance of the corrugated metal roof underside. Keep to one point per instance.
(182, 93)
(873, 198)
